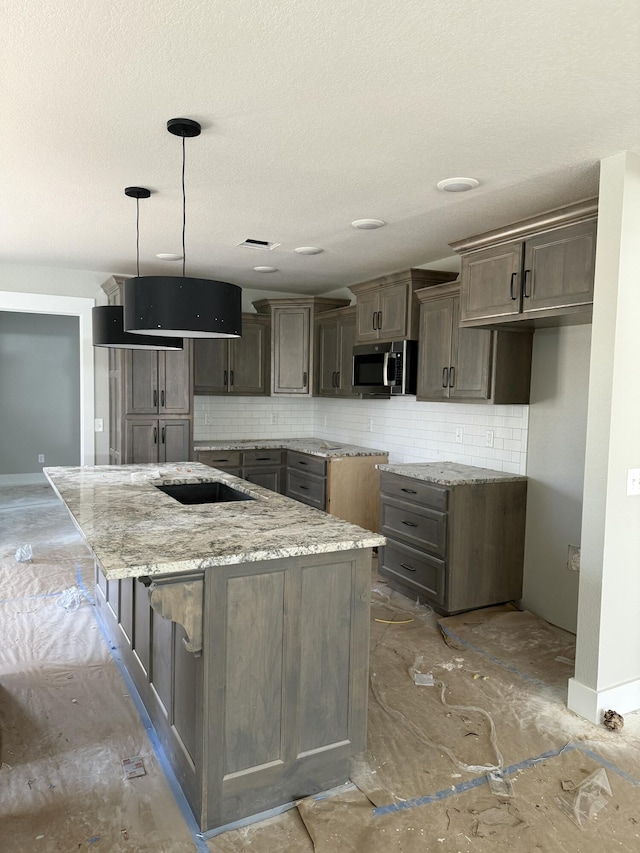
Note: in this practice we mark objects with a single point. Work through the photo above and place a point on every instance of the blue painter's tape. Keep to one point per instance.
(94, 839)
(81, 585)
(30, 597)
(608, 765)
(190, 821)
(501, 663)
(470, 783)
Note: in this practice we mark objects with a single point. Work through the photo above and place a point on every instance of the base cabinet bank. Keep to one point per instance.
(254, 673)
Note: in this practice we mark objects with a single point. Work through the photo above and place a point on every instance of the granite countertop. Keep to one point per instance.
(313, 446)
(450, 473)
(135, 529)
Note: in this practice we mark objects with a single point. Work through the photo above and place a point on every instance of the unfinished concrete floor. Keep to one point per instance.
(68, 721)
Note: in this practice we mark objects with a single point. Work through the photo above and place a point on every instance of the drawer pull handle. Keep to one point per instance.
(410, 523)
(452, 377)
(409, 491)
(164, 435)
(263, 459)
(408, 568)
(155, 398)
(526, 295)
(300, 462)
(306, 488)
(162, 398)
(445, 377)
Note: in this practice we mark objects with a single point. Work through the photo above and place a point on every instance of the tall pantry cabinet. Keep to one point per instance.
(150, 401)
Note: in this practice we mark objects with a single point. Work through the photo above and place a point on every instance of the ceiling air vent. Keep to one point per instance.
(258, 244)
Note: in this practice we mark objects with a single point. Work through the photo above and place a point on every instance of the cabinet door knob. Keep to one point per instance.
(452, 376)
(512, 285)
(527, 274)
(445, 377)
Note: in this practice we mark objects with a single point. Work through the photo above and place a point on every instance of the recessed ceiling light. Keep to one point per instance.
(368, 224)
(266, 269)
(308, 250)
(169, 256)
(457, 185)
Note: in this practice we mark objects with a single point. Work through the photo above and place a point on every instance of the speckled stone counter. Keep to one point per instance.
(313, 446)
(451, 473)
(135, 529)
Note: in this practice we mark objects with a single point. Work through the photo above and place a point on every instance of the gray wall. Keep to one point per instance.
(555, 467)
(39, 391)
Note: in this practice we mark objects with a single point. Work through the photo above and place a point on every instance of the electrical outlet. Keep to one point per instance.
(489, 438)
(98, 425)
(326, 420)
(633, 481)
(370, 424)
(274, 418)
(459, 434)
(40, 457)
(573, 559)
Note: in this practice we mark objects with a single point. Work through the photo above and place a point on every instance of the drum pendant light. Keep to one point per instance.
(187, 307)
(108, 320)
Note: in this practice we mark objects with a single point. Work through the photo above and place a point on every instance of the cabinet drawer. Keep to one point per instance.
(223, 459)
(408, 489)
(262, 457)
(424, 573)
(306, 488)
(418, 526)
(304, 462)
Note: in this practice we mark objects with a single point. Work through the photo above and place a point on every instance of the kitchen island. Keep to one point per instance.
(243, 623)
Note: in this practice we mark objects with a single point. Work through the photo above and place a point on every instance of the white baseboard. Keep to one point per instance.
(591, 704)
(22, 479)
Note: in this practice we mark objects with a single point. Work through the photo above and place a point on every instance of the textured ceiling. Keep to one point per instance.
(314, 114)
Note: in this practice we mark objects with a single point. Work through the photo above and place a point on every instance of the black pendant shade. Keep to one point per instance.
(108, 331)
(190, 307)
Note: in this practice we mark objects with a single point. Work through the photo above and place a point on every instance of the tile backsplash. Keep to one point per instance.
(408, 430)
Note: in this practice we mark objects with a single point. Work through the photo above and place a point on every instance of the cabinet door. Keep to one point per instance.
(141, 372)
(270, 477)
(434, 361)
(393, 312)
(490, 282)
(346, 342)
(559, 268)
(141, 436)
(367, 307)
(471, 351)
(210, 365)
(248, 357)
(327, 365)
(174, 440)
(174, 381)
(291, 354)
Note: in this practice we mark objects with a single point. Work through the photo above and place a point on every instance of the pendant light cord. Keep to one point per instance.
(184, 211)
(138, 237)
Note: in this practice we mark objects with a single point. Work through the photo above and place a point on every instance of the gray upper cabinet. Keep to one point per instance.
(235, 366)
(335, 338)
(386, 309)
(536, 270)
(292, 341)
(478, 365)
(158, 382)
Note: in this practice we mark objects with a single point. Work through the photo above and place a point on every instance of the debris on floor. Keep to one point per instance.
(589, 797)
(613, 721)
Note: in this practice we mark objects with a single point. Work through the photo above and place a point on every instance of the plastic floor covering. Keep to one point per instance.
(487, 757)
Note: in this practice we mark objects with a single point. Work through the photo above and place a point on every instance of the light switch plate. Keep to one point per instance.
(633, 481)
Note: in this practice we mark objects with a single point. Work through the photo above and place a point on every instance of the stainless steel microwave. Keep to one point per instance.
(385, 369)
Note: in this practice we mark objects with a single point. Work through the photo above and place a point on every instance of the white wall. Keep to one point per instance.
(608, 647)
(555, 468)
(408, 430)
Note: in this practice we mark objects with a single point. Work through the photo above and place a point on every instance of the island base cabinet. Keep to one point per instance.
(276, 704)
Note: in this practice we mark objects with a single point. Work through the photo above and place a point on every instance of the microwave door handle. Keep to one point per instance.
(385, 371)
